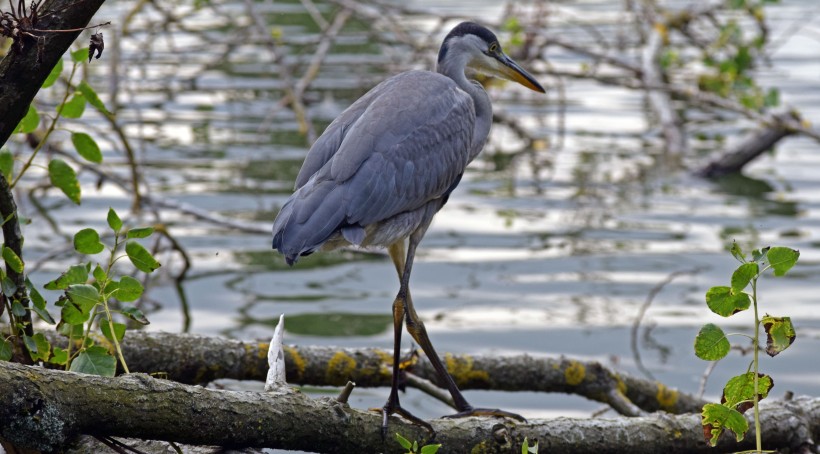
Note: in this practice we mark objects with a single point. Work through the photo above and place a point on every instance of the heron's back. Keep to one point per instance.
(400, 146)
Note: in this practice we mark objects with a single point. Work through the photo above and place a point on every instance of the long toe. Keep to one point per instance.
(487, 412)
(396, 409)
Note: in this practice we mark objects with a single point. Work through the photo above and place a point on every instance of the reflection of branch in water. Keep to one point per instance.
(642, 311)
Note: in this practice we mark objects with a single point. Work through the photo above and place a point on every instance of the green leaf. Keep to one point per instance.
(739, 392)
(114, 221)
(92, 97)
(711, 343)
(74, 107)
(99, 274)
(69, 330)
(6, 163)
(743, 275)
(759, 254)
(8, 286)
(12, 259)
(87, 241)
(405, 443)
(5, 350)
(18, 309)
(143, 232)
(725, 302)
(119, 330)
(134, 314)
(779, 334)
(140, 257)
(95, 361)
(80, 56)
(59, 356)
(76, 274)
(54, 74)
(717, 417)
(83, 296)
(63, 177)
(737, 252)
(39, 306)
(772, 98)
(782, 259)
(87, 147)
(430, 449)
(37, 346)
(30, 122)
(130, 289)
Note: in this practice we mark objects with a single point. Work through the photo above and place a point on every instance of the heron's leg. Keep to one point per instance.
(416, 329)
(392, 406)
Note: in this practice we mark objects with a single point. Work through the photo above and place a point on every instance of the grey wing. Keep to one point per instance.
(408, 146)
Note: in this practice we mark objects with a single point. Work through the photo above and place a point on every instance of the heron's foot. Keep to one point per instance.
(487, 412)
(394, 408)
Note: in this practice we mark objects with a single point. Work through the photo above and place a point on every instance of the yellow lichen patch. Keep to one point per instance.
(340, 369)
(620, 384)
(293, 357)
(574, 373)
(667, 398)
(262, 350)
(461, 369)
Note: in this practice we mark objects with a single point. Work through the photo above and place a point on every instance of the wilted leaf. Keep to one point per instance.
(87, 241)
(739, 391)
(95, 361)
(782, 259)
(720, 417)
(711, 343)
(87, 147)
(140, 257)
(725, 302)
(63, 177)
(779, 334)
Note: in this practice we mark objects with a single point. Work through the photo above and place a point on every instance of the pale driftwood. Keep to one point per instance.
(44, 409)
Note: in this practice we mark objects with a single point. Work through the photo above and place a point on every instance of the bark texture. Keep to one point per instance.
(45, 409)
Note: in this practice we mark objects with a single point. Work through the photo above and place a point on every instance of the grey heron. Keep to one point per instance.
(386, 165)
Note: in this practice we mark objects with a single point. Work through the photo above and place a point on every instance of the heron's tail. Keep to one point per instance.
(308, 219)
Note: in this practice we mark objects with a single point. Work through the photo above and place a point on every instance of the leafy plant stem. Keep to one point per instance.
(111, 260)
(758, 439)
(50, 129)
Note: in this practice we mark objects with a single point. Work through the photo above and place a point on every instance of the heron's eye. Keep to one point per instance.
(493, 48)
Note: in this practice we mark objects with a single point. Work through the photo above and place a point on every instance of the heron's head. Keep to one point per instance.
(473, 46)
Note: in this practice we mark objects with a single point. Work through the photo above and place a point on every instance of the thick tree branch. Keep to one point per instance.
(197, 360)
(21, 75)
(38, 413)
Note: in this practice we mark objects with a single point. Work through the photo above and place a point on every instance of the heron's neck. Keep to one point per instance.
(454, 69)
